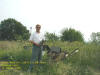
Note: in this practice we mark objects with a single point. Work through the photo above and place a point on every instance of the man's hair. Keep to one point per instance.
(38, 25)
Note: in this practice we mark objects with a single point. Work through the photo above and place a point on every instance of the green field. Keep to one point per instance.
(85, 62)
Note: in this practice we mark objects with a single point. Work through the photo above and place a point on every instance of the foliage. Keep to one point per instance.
(10, 29)
(71, 35)
(95, 37)
(51, 36)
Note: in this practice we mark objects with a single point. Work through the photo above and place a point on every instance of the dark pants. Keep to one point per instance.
(36, 56)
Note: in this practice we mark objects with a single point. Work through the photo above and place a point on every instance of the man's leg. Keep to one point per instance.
(39, 55)
(33, 58)
(39, 58)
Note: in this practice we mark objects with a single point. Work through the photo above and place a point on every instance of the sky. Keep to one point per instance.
(54, 15)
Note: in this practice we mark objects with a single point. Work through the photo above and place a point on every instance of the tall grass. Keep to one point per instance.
(86, 62)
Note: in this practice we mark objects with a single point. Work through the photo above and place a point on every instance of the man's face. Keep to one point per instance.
(38, 27)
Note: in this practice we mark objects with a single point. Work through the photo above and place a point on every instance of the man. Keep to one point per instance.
(36, 38)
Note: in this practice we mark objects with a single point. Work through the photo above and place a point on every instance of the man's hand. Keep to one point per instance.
(35, 43)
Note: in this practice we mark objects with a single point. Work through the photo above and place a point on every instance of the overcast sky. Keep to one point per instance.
(54, 15)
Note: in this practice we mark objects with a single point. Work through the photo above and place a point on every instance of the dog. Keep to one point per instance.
(57, 54)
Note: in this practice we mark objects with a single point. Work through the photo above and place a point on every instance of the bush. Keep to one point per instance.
(71, 35)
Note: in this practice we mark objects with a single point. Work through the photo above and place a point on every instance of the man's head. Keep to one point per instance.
(38, 27)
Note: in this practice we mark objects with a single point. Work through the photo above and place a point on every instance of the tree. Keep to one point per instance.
(95, 37)
(10, 29)
(71, 35)
(51, 36)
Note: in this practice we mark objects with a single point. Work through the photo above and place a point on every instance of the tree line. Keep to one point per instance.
(11, 29)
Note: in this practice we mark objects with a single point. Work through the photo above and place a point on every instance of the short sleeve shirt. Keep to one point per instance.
(36, 37)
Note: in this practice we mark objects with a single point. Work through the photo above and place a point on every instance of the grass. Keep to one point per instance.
(86, 62)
